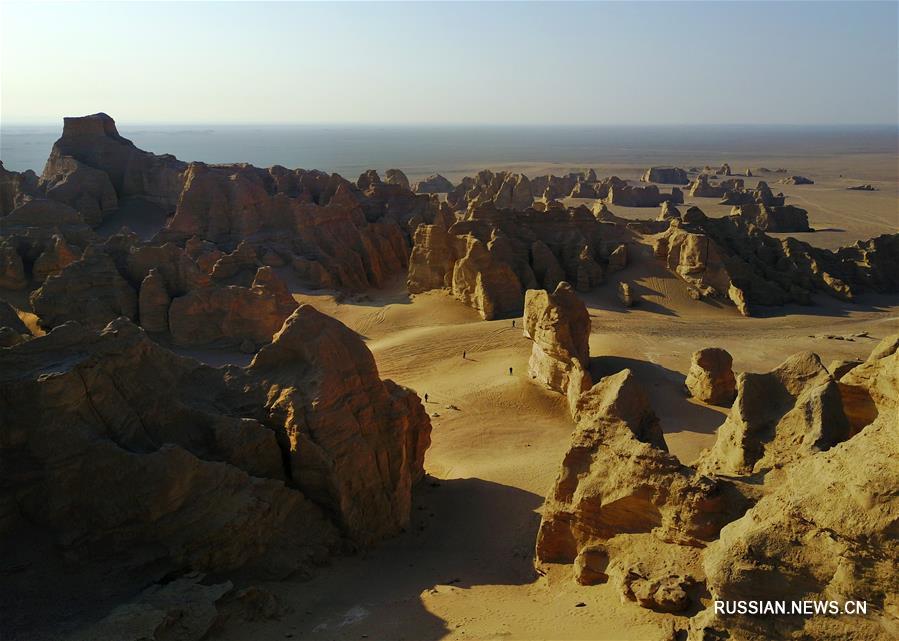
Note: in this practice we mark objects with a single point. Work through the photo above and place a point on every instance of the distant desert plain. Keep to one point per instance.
(200, 440)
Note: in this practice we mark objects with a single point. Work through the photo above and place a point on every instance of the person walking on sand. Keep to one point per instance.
(510, 371)
(426, 397)
(463, 355)
(513, 322)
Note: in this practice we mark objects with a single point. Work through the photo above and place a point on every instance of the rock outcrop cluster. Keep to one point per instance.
(335, 233)
(809, 524)
(119, 452)
(731, 259)
(503, 189)
(490, 257)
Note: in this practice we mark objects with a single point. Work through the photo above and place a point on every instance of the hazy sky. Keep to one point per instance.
(566, 63)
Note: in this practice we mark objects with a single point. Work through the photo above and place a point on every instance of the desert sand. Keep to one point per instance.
(463, 567)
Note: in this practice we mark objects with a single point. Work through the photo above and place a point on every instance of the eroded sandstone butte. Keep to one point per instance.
(731, 259)
(780, 508)
(489, 257)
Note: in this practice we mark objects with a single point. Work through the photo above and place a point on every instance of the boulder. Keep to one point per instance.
(711, 377)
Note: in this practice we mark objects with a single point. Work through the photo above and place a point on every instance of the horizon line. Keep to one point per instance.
(291, 123)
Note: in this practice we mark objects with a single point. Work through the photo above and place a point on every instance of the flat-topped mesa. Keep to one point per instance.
(731, 259)
(491, 256)
(98, 124)
(666, 176)
(92, 143)
(559, 325)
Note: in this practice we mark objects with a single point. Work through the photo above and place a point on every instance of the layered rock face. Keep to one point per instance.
(730, 258)
(666, 176)
(562, 186)
(559, 325)
(711, 376)
(702, 188)
(89, 290)
(503, 189)
(92, 146)
(125, 453)
(490, 257)
(337, 234)
(354, 443)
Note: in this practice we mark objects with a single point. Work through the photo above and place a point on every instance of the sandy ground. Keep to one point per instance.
(464, 569)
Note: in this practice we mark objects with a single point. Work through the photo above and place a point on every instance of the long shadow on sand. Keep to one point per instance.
(830, 307)
(667, 395)
(463, 533)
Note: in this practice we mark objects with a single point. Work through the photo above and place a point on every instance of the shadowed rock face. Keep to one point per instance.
(490, 257)
(730, 258)
(115, 445)
(434, 184)
(354, 443)
(94, 144)
(89, 290)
